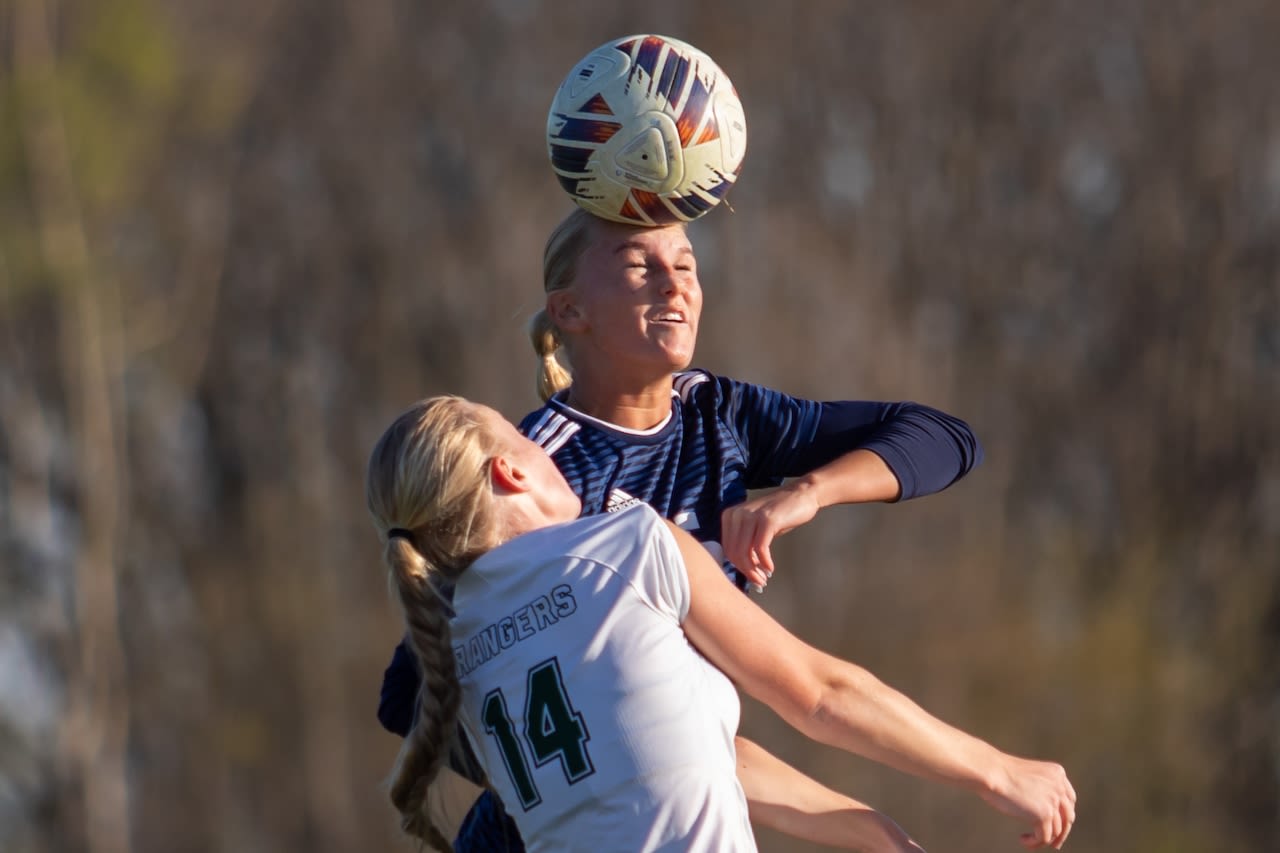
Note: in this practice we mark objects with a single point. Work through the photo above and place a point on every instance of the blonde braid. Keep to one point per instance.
(427, 746)
(428, 491)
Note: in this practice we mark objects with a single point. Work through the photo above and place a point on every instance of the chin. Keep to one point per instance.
(678, 358)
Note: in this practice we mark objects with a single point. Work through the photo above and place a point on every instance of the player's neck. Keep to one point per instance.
(638, 406)
(518, 514)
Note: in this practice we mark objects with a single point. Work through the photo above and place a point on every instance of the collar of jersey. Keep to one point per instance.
(652, 432)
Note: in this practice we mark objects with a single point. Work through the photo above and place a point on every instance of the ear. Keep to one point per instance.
(508, 475)
(565, 312)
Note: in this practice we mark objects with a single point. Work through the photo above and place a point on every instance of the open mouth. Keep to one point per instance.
(667, 317)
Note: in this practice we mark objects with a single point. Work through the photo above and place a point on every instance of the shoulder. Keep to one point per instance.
(549, 427)
(698, 384)
(623, 541)
(610, 536)
(688, 383)
(607, 539)
(640, 549)
(706, 390)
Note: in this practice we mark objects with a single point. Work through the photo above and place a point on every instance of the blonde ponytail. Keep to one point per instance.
(427, 488)
(559, 266)
(552, 376)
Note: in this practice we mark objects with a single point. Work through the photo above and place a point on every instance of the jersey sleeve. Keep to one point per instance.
(771, 427)
(783, 436)
(396, 705)
(925, 448)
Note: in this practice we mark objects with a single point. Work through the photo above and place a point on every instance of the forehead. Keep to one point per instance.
(615, 239)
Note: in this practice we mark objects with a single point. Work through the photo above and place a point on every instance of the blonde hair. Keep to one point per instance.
(559, 266)
(428, 480)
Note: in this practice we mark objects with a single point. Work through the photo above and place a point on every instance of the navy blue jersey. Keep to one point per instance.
(723, 438)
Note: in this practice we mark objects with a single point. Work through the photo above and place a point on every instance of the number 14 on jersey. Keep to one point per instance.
(552, 730)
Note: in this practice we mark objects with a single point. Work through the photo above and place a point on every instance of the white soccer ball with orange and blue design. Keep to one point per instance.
(647, 130)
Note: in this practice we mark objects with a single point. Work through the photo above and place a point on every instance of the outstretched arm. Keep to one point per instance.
(858, 452)
(784, 799)
(844, 705)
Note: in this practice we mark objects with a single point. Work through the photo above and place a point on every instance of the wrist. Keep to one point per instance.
(809, 487)
(993, 779)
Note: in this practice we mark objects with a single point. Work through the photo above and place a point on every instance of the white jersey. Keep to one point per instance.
(598, 724)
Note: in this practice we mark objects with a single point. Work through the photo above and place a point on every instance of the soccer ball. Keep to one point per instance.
(647, 130)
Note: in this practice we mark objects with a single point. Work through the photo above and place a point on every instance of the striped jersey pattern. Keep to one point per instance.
(722, 438)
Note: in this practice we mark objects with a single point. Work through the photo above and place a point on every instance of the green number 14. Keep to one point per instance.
(552, 729)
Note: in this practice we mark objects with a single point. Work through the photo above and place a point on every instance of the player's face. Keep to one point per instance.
(549, 485)
(638, 291)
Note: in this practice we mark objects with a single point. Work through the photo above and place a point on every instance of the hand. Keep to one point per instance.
(787, 801)
(1037, 792)
(748, 529)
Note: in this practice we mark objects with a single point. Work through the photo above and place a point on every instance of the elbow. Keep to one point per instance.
(830, 710)
(397, 705)
(826, 711)
(800, 697)
(956, 433)
(970, 449)
(948, 450)
(394, 717)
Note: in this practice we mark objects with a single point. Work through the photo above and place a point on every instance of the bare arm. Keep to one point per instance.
(841, 704)
(782, 798)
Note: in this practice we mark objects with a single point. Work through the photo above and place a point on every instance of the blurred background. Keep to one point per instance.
(237, 237)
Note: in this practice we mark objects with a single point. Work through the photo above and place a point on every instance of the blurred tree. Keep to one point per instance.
(92, 98)
(237, 237)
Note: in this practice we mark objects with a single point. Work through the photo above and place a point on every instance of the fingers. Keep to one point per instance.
(747, 530)
(735, 540)
(1039, 838)
(1055, 827)
(764, 557)
(740, 535)
(1068, 814)
(1041, 794)
(746, 537)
